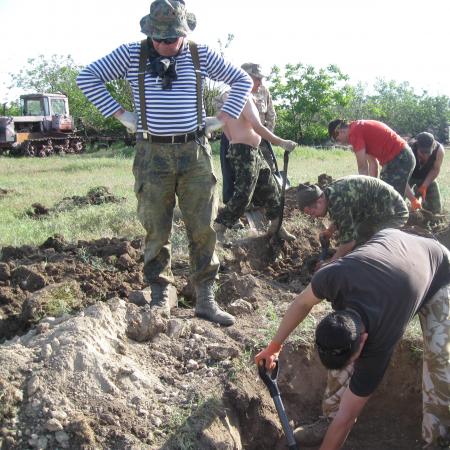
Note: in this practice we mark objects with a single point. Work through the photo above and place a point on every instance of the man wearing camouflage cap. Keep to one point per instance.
(358, 207)
(429, 156)
(263, 101)
(173, 156)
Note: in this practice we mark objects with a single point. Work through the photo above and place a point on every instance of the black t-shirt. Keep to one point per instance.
(386, 281)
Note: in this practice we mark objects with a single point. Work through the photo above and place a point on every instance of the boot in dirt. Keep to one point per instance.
(282, 233)
(160, 299)
(220, 230)
(207, 308)
(312, 435)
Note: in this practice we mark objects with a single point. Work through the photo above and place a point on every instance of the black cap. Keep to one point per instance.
(425, 142)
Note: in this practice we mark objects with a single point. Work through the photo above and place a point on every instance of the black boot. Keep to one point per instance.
(206, 306)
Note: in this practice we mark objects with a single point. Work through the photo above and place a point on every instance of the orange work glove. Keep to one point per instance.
(422, 190)
(270, 354)
(326, 234)
(416, 204)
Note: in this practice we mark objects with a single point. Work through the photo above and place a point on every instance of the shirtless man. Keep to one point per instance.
(251, 172)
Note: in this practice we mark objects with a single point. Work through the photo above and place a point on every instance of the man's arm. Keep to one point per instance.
(373, 165)
(294, 316)
(250, 112)
(271, 115)
(343, 249)
(349, 409)
(361, 160)
(91, 80)
(434, 172)
(218, 69)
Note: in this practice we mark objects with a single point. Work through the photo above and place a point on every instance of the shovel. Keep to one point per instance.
(275, 241)
(270, 380)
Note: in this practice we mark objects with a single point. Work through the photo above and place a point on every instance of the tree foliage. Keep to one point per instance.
(398, 105)
(58, 74)
(306, 98)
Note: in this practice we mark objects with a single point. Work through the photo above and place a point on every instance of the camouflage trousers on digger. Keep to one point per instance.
(163, 172)
(435, 322)
(432, 201)
(398, 171)
(253, 179)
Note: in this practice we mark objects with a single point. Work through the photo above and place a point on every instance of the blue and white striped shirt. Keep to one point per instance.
(171, 111)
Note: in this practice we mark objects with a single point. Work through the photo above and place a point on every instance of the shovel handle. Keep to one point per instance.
(269, 378)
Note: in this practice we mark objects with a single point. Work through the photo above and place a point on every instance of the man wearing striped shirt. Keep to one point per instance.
(173, 156)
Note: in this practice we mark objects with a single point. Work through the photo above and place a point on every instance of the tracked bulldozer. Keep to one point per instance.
(44, 128)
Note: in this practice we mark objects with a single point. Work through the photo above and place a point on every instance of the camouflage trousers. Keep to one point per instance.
(398, 171)
(164, 172)
(253, 180)
(432, 201)
(435, 322)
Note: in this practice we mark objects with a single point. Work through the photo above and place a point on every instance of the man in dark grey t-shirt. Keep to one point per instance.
(375, 291)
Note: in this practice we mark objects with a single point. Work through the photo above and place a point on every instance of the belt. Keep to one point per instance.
(175, 139)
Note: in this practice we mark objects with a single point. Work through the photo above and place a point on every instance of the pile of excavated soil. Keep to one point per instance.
(96, 196)
(85, 365)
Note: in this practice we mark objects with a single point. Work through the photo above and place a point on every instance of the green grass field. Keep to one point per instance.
(48, 180)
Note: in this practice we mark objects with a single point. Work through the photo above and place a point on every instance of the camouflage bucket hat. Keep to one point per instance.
(425, 142)
(307, 194)
(254, 70)
(168, 19)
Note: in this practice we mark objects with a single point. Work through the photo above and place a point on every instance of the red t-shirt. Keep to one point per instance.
(377, 138)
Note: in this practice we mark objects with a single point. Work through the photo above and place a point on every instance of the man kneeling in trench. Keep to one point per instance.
(375, 291)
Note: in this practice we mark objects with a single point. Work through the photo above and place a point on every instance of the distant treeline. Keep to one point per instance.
(306, 99)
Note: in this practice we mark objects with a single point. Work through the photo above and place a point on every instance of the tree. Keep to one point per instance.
(306, 100)
(58, 74)
(400, 107)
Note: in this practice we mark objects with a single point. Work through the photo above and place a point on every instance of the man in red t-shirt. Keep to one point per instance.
(375, 143)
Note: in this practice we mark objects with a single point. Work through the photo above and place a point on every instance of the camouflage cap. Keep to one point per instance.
(425, 142)
(168, 19)
(254, 70)
(307, 194)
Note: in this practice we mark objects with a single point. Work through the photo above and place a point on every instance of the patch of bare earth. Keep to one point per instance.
(84, 364)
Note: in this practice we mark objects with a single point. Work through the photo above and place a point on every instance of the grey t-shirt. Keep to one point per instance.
(386, 281)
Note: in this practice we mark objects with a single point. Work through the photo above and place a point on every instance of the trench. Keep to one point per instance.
(391, 419)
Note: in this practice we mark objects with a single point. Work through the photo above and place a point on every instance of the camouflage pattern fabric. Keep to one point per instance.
(167, 19)
(163, 172)
(435, 322)
(360, 206)
(253, 179)
(264, 104)
(433, 201)
(266, 150)
(337, 383)
(398, 171)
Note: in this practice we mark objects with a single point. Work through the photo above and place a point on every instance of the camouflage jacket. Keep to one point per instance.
(263, 101)
(361, 205)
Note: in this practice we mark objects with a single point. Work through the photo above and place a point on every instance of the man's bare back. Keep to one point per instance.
(248, 129)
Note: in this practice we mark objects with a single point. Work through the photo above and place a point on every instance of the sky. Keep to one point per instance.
(397, 40)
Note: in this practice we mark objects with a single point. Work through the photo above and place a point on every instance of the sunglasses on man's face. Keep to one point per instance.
(167, 41)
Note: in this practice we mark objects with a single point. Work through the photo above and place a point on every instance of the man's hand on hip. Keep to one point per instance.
(212, 124)
(128, 119)
(224, 117)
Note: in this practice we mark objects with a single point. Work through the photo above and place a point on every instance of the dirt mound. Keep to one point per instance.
(95, 196)
(87, 368)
